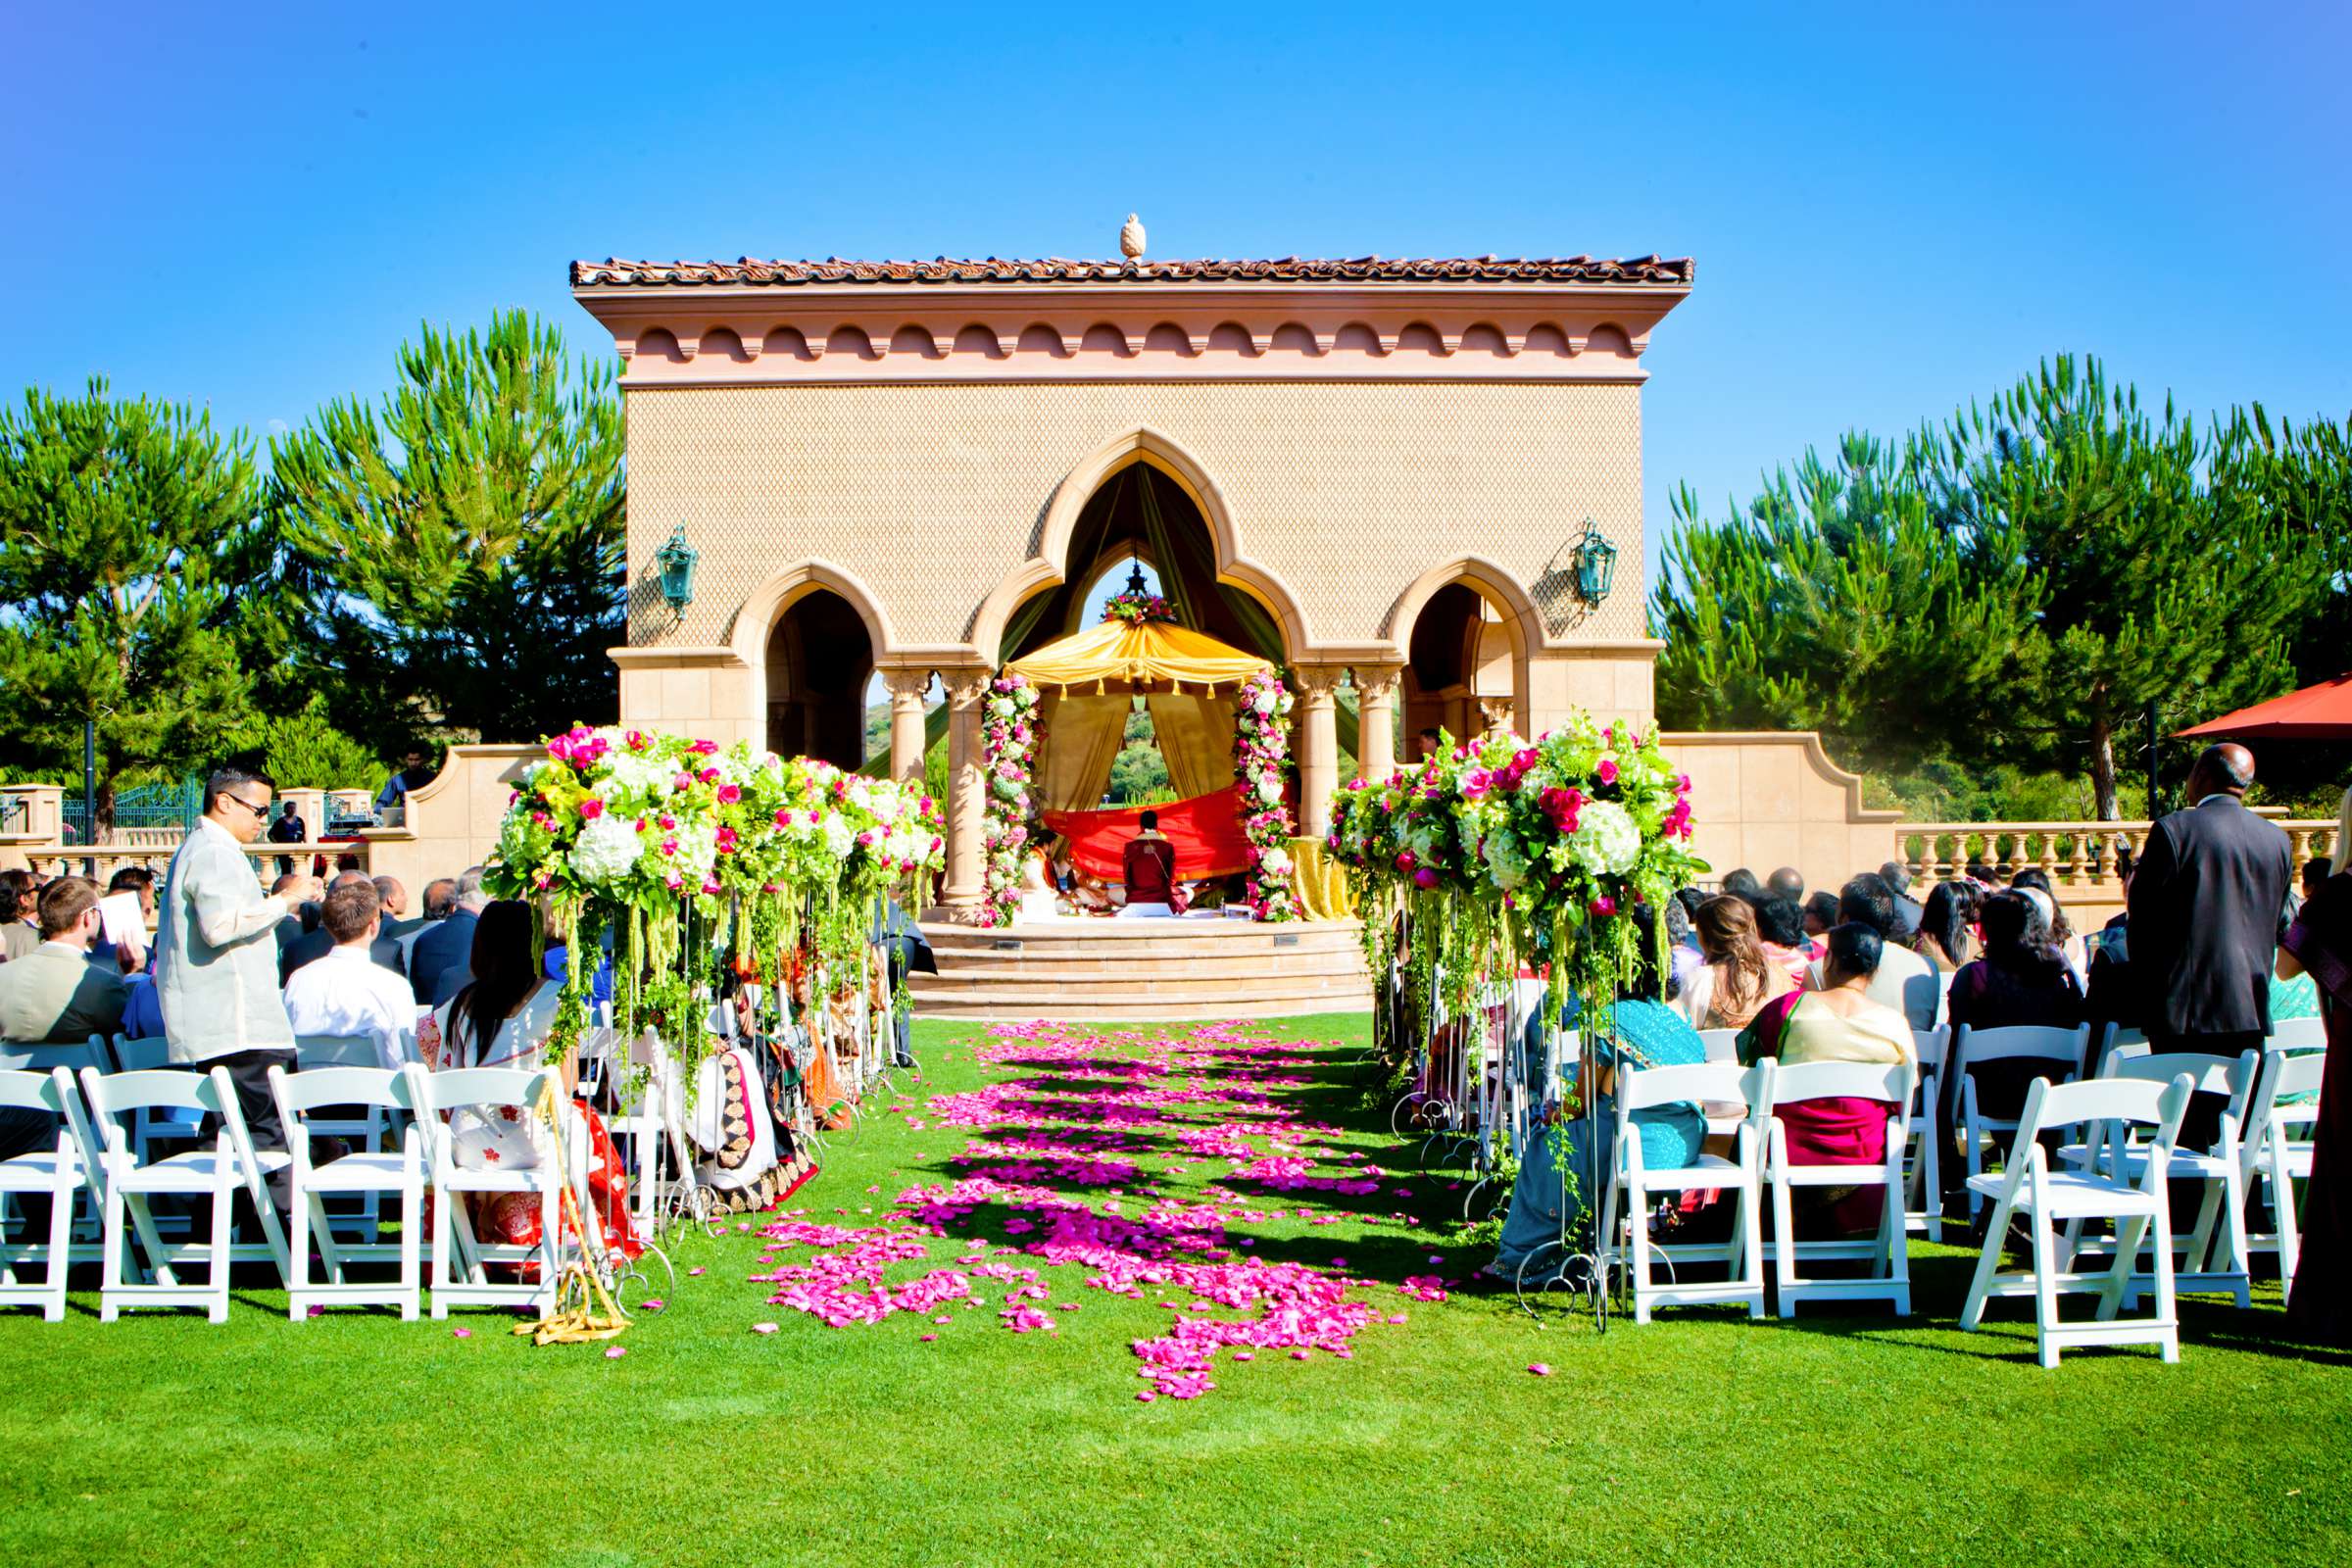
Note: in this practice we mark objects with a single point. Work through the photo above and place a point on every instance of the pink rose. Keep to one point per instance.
(703, 748)
(730, 794)
(1404, 860)
(709, 775)
(783, 817)
(1604, 905)
(1425, 878)
(669, 846)
(684, 781)
(591, 809)
(1607, 771)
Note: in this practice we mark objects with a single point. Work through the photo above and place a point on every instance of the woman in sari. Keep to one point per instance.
(501, 1018)
(1738, 979)
(2318, 944)
(1643, 1031)
(1947, 926)
(1838, 1022)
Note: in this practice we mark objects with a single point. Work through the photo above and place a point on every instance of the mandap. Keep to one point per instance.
(1219, 717)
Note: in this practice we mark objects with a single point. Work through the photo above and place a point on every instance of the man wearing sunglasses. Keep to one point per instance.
(216, 953)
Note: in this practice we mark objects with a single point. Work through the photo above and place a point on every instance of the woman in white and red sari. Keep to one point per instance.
(501, 1018)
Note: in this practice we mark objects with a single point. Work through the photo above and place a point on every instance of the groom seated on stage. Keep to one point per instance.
(1147, 866)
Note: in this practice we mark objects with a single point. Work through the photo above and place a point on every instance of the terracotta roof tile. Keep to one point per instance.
(615, 272)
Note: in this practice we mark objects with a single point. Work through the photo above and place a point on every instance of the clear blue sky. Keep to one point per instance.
(253, 205)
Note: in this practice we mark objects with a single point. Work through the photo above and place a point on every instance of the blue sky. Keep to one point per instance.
(252, 208)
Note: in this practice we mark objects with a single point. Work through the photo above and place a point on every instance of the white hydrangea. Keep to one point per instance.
(1262, 700)
(1269, 786)
(840, 837)
(1275, 862)
(634, 775)
(1605, 840)
(605, 851)
(1504, 861)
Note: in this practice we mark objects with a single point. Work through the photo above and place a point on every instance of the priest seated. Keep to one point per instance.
(1148, 869)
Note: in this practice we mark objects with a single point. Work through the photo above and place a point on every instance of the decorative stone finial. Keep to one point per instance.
(1131, 239)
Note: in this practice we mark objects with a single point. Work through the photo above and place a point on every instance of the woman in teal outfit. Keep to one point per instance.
(1645, 1032)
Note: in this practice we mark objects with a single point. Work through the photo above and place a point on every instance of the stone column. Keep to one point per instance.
(907, 688)
(1376, 720)
(968, 792)
(1319, 748)
(1497, 713)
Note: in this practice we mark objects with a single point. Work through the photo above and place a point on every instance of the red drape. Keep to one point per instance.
(1206, 831)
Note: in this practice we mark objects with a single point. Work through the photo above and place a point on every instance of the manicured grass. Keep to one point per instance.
(1704, 1438)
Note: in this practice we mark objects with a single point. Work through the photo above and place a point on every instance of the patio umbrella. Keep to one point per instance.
(2321, 712)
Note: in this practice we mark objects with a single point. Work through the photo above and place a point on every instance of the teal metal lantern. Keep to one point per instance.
(1595, 565)
(676, 561)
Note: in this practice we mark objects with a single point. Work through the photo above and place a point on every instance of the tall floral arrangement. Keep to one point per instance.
(1260, 753)
(1008, 749)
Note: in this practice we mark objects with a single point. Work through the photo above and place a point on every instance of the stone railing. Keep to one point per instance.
(2073, 854)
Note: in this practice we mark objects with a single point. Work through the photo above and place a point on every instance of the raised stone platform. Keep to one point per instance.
(1080, 970)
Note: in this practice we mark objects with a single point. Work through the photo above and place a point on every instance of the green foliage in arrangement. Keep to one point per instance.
(2021, 581)
(129, 535)
(460, 549)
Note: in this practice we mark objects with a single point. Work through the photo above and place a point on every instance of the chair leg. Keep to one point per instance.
(110, 1269)
(1989, 1263)
(1783, 1240)
(2234, 1235)
(2167, 1305)
(442, 1198)
(1752, 1235)
(411, 1247)
(1975, 1156)
(1637, 1219)
(61, 1253)
(298, 1251)
(1898, 1256)
(2282, 1204)
(2045, 1289)
(224, 1212)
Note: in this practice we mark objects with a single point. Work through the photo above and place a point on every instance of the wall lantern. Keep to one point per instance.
(676, 560)
(1595, 565)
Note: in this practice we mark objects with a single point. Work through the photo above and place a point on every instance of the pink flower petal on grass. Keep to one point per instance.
(653, 1304)
(615, 1353)
(1540, 1369)
(763, 1328)
(461, 1334)
(693, 1271)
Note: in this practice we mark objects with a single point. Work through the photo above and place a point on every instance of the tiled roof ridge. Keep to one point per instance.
(617, 272)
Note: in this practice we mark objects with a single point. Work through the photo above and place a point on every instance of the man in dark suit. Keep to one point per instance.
(1907, 909)
(446, 944)
(317, 942)
(2206, 901)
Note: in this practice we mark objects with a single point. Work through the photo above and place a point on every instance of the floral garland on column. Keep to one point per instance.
(1008, 746)
(1261, 749)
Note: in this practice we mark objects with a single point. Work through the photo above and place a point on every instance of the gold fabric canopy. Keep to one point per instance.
(1090, 681)
(1150, 653)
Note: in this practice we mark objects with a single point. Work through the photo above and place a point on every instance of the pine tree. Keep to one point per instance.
(461, 552)
(128, 529)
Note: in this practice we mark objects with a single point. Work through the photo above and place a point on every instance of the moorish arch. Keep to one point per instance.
(812, 637)
(1467, 631)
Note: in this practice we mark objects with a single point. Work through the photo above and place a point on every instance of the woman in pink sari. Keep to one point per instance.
(1838, 1022)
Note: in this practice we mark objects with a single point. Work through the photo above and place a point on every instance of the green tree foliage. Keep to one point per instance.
(304, 749)
(129, 531)
(2015, 587)
(459, 551)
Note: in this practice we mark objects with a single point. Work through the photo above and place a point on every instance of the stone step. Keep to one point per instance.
(1256, 944)
(994, 1011)
(1057, 967)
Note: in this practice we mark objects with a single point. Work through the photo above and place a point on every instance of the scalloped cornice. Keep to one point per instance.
(1209, 329)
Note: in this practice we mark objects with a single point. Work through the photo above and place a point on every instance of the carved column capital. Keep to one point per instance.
(1315, 683)
(906, 685)
(1378, 683)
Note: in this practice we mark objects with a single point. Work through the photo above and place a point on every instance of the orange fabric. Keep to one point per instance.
(1206, 832)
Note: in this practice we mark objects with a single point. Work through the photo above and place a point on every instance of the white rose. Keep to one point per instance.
(1275, 862)
(1270, 788)
(1262, 701)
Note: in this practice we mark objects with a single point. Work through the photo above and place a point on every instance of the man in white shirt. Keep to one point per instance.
(1903, 981)
(346, 992)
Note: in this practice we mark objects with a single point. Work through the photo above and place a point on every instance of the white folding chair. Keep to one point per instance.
(2298, 1034)
(367, 1174)
(1632, 1187)
(2275, 1150)
(1972, 1048)
(2028, 1186)
(2221, 1224)
(433, 1096)
(91, 1052)
(367, 1126)
(231, 1165)
(1927, 1137)
(1889, 1253)
(62, 1174)
(1723, 1044)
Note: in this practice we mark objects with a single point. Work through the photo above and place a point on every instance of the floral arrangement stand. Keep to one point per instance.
(1503, 857)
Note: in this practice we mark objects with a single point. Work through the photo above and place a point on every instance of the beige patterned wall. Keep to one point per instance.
(931, 495)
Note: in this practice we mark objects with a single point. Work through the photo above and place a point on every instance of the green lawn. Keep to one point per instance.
(1701, 1439)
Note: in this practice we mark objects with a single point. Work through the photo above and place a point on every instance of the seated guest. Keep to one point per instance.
(1742, 884)
(17, 938)
(1737, 978)
(1147, 866)
(1787, 883)
(443, 946)
(1947, 926)
(1901, 979)
(1683, 953)
(1426, 745)
(440, 902)
(394, 899)
(2019, 979)
(317, 944)
(1841, 1022)
(1907, 910)
(1041, 897)
(2316, 871)
(1821, 914)
(54, 996)
(346, 992)
(501, 1018)
(2035, 882)
(1780, 927)
(1644, 1032)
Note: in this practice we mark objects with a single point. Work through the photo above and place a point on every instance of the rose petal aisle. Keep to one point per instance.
(1064, 1162)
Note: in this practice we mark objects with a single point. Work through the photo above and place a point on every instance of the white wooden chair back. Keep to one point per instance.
(1646, 1088)
(1723, 1044)
(313, 1052)
(1972, 1046)
(90, 1053)
(2298, 1034)
(1891, 1082)
(1931, 1047)
(301, 1093)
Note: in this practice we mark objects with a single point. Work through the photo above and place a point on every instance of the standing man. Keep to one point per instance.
(215, 955)
(2206, 902)
(415, 772)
